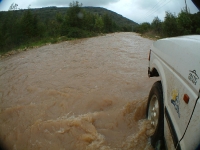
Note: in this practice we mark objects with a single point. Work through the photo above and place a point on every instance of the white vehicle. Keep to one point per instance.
(174, 105)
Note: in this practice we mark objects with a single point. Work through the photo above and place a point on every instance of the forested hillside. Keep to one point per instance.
(23, 28)
(49, 13)
(184, 23)
(117, 18)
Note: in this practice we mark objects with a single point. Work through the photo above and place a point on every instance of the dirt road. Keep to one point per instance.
(83, 94)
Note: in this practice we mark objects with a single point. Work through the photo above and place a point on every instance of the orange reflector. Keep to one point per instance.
(186, 98)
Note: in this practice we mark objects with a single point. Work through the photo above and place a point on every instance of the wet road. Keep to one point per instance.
(82, 94)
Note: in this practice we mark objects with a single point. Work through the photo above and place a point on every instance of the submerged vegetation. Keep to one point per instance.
(32, 27)
(184, 23)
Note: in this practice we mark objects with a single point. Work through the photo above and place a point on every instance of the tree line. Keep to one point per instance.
(75, 23)
(184, 23)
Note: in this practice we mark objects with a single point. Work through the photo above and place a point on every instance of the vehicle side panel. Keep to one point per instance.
(174, 88)
(192, 136)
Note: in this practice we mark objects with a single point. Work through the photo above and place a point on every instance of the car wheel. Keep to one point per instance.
(155, 113)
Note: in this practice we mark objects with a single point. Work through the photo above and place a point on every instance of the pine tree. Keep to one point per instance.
(75, 14)
(107, 21)
(29, 25)
(98, 24)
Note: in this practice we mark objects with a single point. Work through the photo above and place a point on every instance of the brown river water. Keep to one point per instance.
(87, 94)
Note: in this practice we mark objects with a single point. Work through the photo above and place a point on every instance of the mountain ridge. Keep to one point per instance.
(46, 13)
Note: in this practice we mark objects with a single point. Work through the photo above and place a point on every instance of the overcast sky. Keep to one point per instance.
(136, 10)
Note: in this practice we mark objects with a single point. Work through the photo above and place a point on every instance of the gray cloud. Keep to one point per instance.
(150, 9)
(136, 10)
(39, 3)
(4, 5)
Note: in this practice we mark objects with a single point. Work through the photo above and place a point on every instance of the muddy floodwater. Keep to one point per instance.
(87, 94)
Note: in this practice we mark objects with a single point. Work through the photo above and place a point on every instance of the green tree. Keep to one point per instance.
(107, 21)
(13, 6)
(195, 23)
(184, 22)
(198, 31)
(65, 26)
(98, 24)
(170, 25)
(144, 27)
(54, 28)
(9, 31)
(75, 14)
(156, 25)
(29, 25)
(59, 18)
(88, 21)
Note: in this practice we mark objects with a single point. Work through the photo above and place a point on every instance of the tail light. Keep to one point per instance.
(186, 98)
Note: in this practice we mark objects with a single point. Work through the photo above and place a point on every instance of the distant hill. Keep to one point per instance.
(48, 13)
(119, 19)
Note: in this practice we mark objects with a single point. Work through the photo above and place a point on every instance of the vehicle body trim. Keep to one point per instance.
(172, 130)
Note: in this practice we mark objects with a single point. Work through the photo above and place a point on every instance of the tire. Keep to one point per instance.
(155, 113)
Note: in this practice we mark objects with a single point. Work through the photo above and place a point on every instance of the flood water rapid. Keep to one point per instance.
(87, 94)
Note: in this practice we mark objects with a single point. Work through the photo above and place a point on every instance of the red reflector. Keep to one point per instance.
(186, 98)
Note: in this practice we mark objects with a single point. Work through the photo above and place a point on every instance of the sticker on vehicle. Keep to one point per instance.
(193, 77)
(175, 101)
